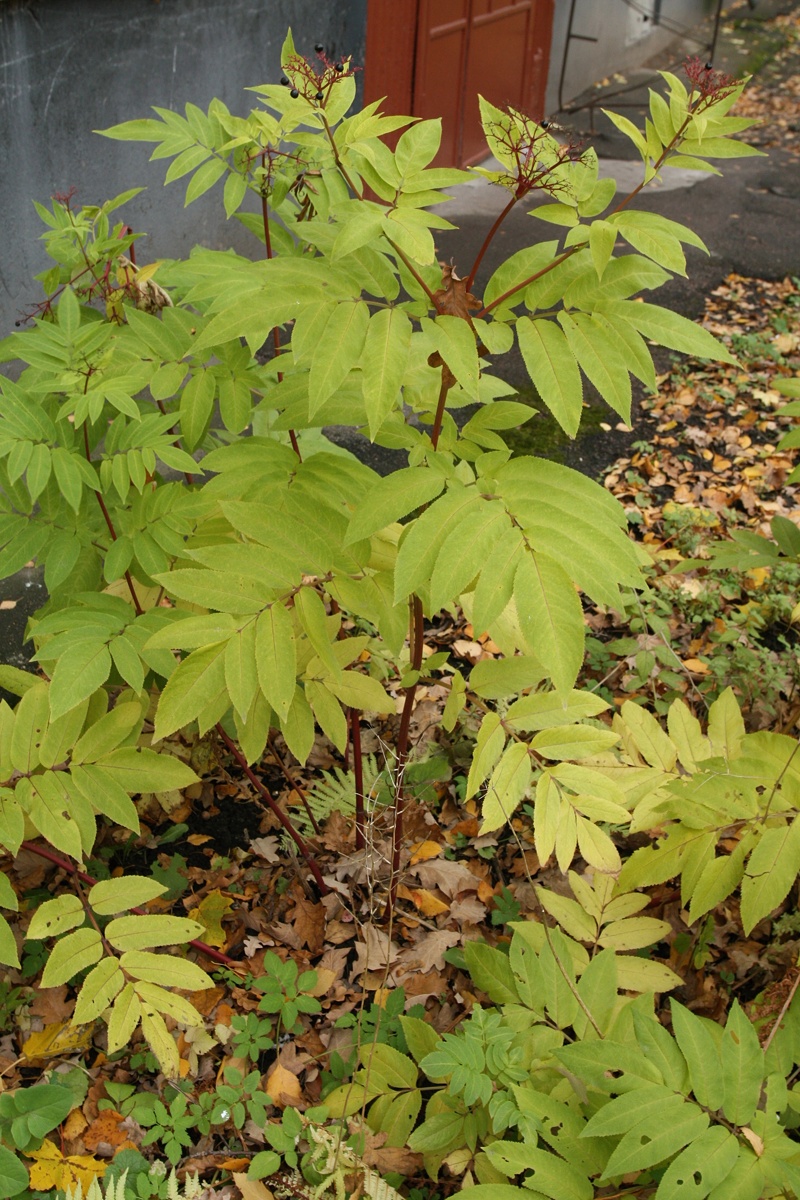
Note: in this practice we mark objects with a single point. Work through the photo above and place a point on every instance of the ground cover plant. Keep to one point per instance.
(232, 599)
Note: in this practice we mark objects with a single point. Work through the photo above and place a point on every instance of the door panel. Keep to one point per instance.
(498, 48)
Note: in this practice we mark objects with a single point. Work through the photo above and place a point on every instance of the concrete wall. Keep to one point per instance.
(625, 39)
(70, 66)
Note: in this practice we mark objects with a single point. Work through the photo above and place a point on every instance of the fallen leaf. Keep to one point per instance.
(755, 1141)
(74, 1126)
(450, 877)
(207, 999)
(696, 666)
(393, 1159)
(210, 913)
(429, 904)
(252, 1189)
(106, 1127)
(308, 920)
(429, 951)
(325, 981)
(51, 1169)
(266, 848)
(425, 850)
(57, 1039)
(283, 1087)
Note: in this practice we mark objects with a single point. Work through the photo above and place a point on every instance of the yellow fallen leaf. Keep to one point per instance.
(283, 1087)
(209, 913)
(235, 1164)
(757, 576)
(696, 666)
(425, 850)
(429, 904)
(52, 1169)
(75, 1124)
(325, 981)
(755, 1141)
(59, 1038)
(252, 1189)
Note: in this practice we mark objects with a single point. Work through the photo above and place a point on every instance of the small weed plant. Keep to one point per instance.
(218, 569)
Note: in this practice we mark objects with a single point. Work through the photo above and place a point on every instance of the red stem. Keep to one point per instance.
(437, 424)
(294, 786)
(277, 810)
(487, 240)
(358, 772)
(416, 635)
(209, 951)
(106, 515)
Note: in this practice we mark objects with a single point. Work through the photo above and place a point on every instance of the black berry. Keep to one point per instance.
(545, 124)
(284, 81)
(294, 93)
(319, 48)
(338, 67)
(319, 96)
(709, 66)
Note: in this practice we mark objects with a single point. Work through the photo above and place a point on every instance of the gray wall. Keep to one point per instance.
(624, 39)
(70, 66)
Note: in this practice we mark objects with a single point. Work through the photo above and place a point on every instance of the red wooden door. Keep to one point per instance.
(433, 57)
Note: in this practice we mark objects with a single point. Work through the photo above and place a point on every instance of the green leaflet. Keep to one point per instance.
(112, 896)
(551, 365)
(455, 342)
(338, 350)
(165, 970)
(669, 329)
(80, 671)
(216, 589)
(600, 360)
(241, 675)
(549, 1175)
(420, 546)
(100, 987)
(508, 784)
(465, 550)
(742, 1067)
(55, 917)
(383, 363)
(699, 1041)
(123, 1018)
(392, 498)
(701, 1167)
(198, 679)
(771, 870)
(516, 269)
(30, 723)
(495, 585)
(550, 617)
(276, 660)
(70, 955)
(141, 933)
(106, 734)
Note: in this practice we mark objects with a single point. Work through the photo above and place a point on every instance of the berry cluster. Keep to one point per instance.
(711, 84)
(306, 80)
(531, 145)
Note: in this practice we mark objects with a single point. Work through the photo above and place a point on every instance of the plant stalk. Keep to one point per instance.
(416, 636)
(358, 772)
(275, 808)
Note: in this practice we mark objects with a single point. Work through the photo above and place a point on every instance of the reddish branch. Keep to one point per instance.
(275, 808)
